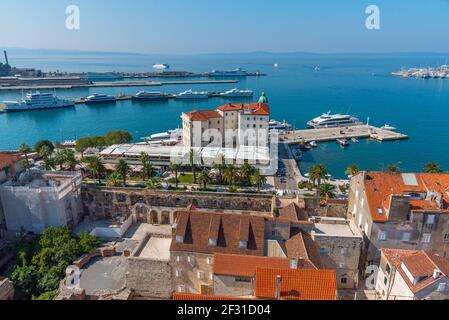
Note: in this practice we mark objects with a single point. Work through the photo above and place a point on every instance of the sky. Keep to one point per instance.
(218, 26)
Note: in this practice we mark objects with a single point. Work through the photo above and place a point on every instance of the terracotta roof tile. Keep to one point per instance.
(303, 247)
(7, 159)
(261, 109)
(293, 212)
(197, 227)
(245, 266)
(203, 115)
(300, 284)
(193, 297)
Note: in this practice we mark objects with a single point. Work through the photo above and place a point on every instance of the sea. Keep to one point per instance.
(357, 84)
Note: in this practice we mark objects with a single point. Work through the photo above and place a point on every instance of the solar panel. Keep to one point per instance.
(409, 179)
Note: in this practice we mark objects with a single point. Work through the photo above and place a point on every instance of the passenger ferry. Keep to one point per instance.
(143, 95)
(329, 120)
(36, 101)
(278, 125)
(236, 93)
(99, 98)
(239, 72)
(189, 94)
(161, 66)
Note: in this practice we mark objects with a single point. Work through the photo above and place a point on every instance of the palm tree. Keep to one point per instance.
(113, 180)
(393, 168)
(174, 167)
(153, 183)
(25, 149)
(258, 179)
(59, 159)
(49, 163)
(327, 191)
(230, 175)
(317, 174)
(123, 170)
(432, 167)
(204, 178)
(246, 171)
(44, 152)
(220, 167)
(96, 168)
(192, 164)
(70, 159)
(352, 170)
(145, 160)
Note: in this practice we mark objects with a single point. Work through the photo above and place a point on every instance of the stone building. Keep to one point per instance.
(199, 235)
(412, 275)
(39, 199)
(6, 289)
(400, 210)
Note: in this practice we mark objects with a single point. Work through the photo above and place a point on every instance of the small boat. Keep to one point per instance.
(355, 140)
(343, 142)
(388, 127)
(305, 146)
(313, 144)
(69, 143)
(297, 154)
(161, 66)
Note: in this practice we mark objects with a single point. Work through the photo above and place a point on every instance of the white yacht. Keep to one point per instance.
(236, 93)
(36, 101)
(161, 66)
(388, 127)
(189, 94)
(239, 72)
(99, 98)
(278, 125)
(165, 136)
(329, 120)
(143, 95)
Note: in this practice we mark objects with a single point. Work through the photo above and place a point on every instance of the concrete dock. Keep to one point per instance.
(115, 84)
(332, 134)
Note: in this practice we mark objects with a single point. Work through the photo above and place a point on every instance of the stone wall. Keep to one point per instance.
(6, 289)
(107, 202)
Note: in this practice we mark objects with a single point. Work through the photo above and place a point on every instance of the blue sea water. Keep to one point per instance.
(359, 84)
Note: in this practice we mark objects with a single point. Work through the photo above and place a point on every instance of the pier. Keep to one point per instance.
(332, 134)
(115, 84)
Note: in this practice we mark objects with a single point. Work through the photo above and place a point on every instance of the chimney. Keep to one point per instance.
(6, 57)
(278, 287)
(436, 273)
(301, 262)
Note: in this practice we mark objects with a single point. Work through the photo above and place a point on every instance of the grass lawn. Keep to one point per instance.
(183, 178)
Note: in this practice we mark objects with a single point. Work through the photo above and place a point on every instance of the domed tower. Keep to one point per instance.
(263, 98)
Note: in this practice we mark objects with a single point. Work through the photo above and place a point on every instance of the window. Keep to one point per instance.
(213, 242)
(388, 268)
(243, 244)
(211, 277)
(430, 219)
(442, 287)
(242, 279)
(181, 288)
(209, 261)
(426, 237)
(385, 281)
(190, 259)
(344, 251)
(446, 237)
(324, 251)
(343, 280)
(179, 239)
(382, 236)
(178, 273)
(380, 211)
(178, 258)
(406, 236)
(200, 274)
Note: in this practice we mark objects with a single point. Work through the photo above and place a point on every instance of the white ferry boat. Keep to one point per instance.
(169, 135)
(239, 72)
(189, 94)
(143, 95)
(329, 120)
(388, 127)
(278, 125)
(236, 93)
(99, 98)
(161, 66)
(36, 101)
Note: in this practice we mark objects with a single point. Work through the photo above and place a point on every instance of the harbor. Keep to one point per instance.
(340, 133)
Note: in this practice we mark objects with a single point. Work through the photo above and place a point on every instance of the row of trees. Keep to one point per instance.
(40, 261)
(112, 137)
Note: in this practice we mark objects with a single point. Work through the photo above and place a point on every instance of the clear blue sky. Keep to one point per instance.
(218, 26)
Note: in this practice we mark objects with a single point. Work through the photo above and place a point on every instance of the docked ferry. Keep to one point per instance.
(236, 93)
(278, 125)
(143, 95)
(239, 72)
(189, 94)
(36, 101)
(329, 120)
(99, 98)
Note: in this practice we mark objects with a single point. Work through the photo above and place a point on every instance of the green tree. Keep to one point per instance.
(317, 174)
(113, 179)
(70, 159)
(230, 175)
(352, 170)
(25, 150)
(118, 137)
(59, 159)
(393, 168)
(327, 191)
(87, 243)
(145, 160)
(432, 167)
(220, 168)
(258, 179)
(204, 178)
(192, 156)
(123, 170)
(246, 171)
(153, 183)
(174, 167)
(96, 168)
(41, 143)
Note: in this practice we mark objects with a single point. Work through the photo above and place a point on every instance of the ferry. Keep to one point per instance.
(36, 101)
(236, 93)
(99, 98)
(328, 120)
(161, 66)
(239, 72)
(170, 134)
(143, 95)
(189, 94)
(277, 125)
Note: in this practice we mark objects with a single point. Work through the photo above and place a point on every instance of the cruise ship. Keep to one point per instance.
(36, 101)
(236, 93)
(239, 72)
(143, 95)
(329, 120)
(189, 94)
(99, 98)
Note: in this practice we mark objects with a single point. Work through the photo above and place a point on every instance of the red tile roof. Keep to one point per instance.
(261, 109)
(193, 297)
(300, 284)
(203, 115)
(293, 212)
(7, 159)
(245, 266)
(381, 186)
(196, 228)
(419, 263)
(303, 248)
